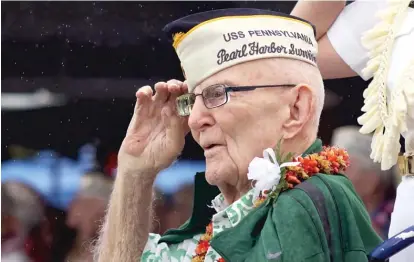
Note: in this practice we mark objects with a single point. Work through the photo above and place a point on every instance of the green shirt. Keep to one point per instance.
(322, 219)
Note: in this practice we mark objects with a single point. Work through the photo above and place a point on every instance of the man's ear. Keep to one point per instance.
(300, 110)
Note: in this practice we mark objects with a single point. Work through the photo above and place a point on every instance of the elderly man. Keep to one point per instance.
(375, 39)
(253, 85)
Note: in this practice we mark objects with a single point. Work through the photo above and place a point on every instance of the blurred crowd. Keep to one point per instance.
(33, 230)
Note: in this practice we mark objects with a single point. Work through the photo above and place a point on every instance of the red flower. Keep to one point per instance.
(331, 160)
(202, 247)
(209, 229)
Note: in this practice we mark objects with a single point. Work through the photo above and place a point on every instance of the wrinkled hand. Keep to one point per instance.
(156, 134)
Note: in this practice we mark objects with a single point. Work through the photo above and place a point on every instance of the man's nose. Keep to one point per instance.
(200, 117)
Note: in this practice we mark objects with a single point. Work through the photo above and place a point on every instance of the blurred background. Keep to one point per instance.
(69, 74)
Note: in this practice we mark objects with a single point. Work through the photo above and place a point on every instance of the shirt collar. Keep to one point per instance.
(208, 201)
(219, 203)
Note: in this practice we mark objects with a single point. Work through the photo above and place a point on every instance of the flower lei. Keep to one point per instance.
(272, 179)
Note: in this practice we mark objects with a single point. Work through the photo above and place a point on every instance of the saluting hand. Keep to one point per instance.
(156, 134)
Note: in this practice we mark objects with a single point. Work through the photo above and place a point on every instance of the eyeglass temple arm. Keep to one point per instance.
(249, 88)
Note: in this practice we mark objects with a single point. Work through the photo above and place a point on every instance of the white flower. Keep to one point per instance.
(266, 171)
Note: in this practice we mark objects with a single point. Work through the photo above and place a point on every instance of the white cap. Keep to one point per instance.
(220, 39)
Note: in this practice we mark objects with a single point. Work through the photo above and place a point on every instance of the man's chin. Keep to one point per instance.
(212, 177)
(219, 172)
(215, 172)
(220, 168)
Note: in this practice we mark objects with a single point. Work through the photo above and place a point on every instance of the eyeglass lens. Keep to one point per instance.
(214, 96)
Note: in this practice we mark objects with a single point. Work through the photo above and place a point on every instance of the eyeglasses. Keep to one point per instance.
(213, 96)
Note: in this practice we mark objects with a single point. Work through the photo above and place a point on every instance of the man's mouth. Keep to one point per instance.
(211, 146)
(211, 150)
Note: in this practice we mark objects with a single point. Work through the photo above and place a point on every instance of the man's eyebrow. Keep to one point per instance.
(223, 82)
(229, 83)
(226, 82)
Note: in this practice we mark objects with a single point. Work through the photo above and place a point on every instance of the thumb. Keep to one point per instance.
(174, 125)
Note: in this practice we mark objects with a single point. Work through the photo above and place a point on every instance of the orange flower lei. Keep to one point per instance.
(330, 161)
(203, 245)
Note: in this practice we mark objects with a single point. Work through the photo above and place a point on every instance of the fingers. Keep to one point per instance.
(161, 92)
(133, 122)
(175, 126)
(184, 87)
(144, 95)
(166, 92)
(184, 124)
(170, 118)
(174, 81)
(175, 88)
(148, 104)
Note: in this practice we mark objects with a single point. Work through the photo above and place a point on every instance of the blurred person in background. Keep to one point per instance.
(375, 187)
(86, 212)
(182, 205)
(172, 209)
(23, 233)
(177, 207)
(162, 203)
